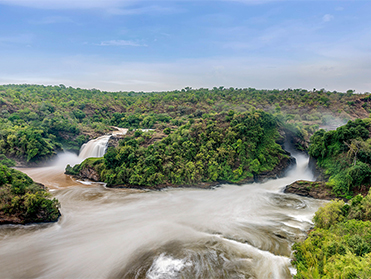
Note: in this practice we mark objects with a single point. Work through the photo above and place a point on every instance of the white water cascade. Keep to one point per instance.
(97, 147)
(94, 148)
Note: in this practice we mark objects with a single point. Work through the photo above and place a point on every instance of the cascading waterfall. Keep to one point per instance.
(94, 148)
(228, 232)
(97, 147)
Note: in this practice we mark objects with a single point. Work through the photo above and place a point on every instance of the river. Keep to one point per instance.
(227, 232)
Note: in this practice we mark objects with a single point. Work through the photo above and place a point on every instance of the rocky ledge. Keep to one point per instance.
(316, 190)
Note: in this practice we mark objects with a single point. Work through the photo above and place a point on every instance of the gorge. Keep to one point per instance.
(226, 232)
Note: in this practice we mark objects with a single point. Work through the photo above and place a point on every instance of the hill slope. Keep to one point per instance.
(37, 121)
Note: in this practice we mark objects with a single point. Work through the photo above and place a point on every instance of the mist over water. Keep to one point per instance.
(227, 232)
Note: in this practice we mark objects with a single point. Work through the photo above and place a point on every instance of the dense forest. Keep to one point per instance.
(229, 147)
(38, 121)
(344, 155)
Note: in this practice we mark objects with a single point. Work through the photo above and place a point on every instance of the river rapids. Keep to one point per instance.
(227, 232)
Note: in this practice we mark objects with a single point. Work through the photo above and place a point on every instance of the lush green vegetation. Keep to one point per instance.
(23, 201)
(340, 245)
(345, 155)
(219, 147)
(37, 121)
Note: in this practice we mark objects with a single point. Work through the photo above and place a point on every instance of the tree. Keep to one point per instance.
(355, 146)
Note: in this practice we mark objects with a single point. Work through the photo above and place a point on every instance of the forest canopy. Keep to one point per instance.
(340, 244)
(223, 147)
(38, 121)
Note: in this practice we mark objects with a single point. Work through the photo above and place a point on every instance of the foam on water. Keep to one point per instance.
(166, 267)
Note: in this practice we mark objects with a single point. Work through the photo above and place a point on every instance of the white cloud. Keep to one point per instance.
(259, 72)
(121, 43)
(52, 20)
(327, 18)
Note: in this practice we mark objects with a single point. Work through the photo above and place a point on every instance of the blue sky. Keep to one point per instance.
(164, 45)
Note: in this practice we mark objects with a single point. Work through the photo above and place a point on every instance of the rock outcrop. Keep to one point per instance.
(316, 190)
(89, 173)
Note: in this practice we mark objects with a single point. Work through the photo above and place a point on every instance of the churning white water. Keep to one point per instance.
(97, 147)
(227, 232)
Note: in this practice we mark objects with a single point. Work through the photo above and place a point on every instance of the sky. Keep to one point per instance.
(126, 45)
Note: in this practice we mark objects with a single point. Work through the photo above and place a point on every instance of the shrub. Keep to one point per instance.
(329, 214)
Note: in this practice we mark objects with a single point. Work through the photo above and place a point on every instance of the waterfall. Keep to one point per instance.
(97, 147)
(94, 148)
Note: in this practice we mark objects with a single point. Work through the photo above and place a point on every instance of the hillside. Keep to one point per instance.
(38, 121)
(340, 244)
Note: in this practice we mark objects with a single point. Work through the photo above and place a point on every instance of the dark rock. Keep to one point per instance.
(114, 140)
(279, 171)
(89, 173)
(319, 174)
(317, 190)
(10, 219)
(20, 218)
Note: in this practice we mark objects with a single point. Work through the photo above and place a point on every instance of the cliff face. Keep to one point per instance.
(319, 174)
